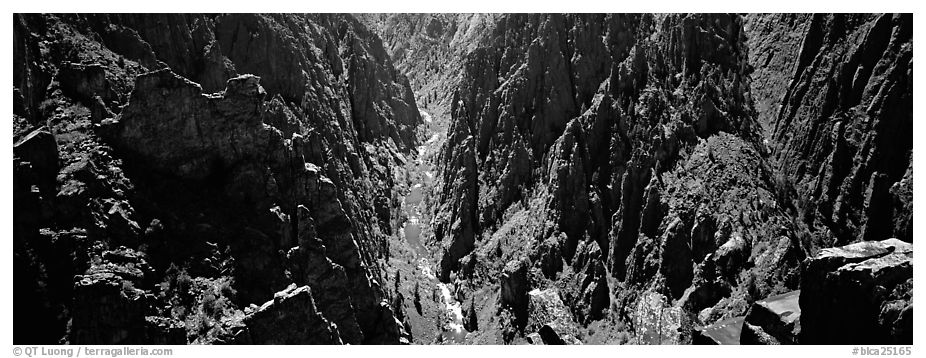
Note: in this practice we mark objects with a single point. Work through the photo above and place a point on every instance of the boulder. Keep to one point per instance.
(706, 289)
(86, 82)
(732, 256)
(550, 317)
(778, 317)
(549, 336)
(858, 294)
(655, 320)
(534, 339)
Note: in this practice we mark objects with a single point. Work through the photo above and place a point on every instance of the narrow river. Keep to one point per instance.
(421, 174)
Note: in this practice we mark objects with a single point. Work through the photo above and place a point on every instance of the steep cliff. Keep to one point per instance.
(838, 95)
(630, 155)
(138, 131)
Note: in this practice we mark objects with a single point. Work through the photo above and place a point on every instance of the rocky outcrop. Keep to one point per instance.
(308, 264)
(205, 135)
(290, 318)
(108, 308)
(458, 220)
(861, 293)
(587, 293)
(550, 317)
(163, 330)
(549, 336)
(86, 82)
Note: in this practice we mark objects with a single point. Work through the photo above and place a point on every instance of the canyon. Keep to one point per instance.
(463, 179)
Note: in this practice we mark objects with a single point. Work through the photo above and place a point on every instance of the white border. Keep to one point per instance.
(456, 6)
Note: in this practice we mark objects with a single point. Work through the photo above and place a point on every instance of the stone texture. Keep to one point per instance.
(838, 88)
(290, 318)
(858, 293)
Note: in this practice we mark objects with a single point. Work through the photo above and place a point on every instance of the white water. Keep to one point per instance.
(453, 309)
(425, 115)
(454, 312)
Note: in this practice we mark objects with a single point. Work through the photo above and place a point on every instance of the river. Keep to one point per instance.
(421, 174)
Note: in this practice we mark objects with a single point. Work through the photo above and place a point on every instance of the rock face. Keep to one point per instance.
(670, 151)
(861, 292)
(192, 141)
(837, 89)
(234, 186)
(635, 135)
